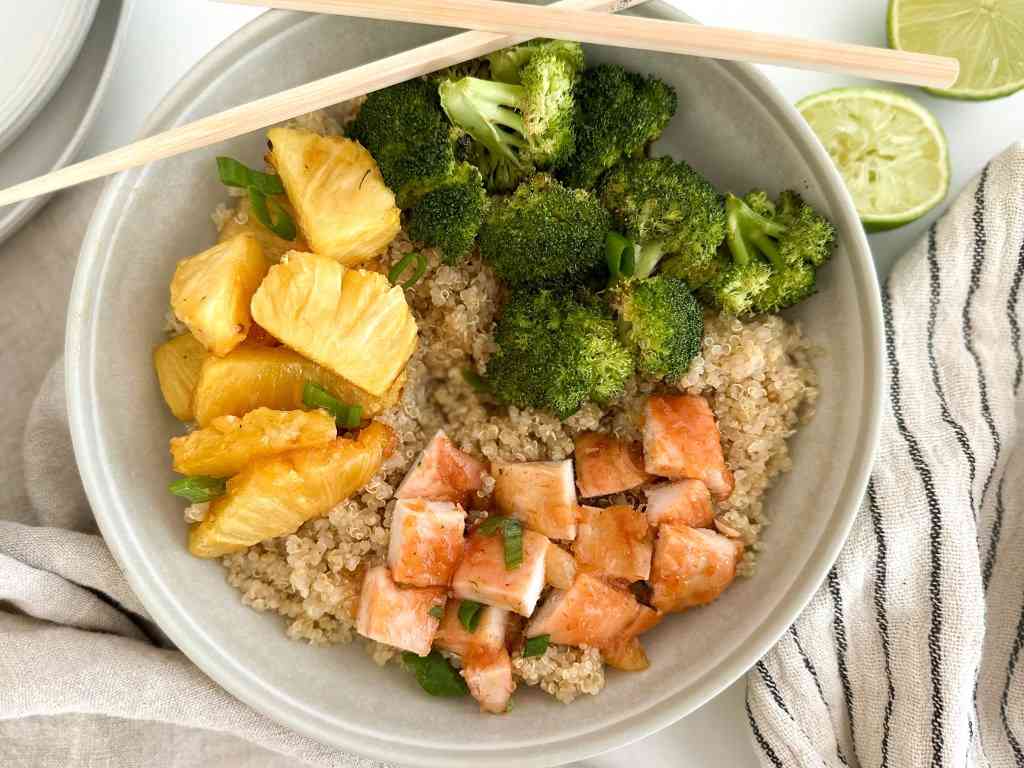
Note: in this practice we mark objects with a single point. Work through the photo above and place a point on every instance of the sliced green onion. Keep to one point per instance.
(513, 533)
(271, 215)
(437, 612)
(492, 525)
(235, 174)
(346, 416)
(403, 264)
(628, 267)
(536, 646)
(198, 488)
(435, 674)
(475, 380)
(469, 614)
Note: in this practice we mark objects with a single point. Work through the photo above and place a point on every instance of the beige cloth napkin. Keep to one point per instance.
(85, 678)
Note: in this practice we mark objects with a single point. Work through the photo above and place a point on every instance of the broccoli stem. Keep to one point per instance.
(744, 224)
(480, 106)
(647, 260)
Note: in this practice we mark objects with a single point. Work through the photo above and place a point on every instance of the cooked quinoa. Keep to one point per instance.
(756, 374)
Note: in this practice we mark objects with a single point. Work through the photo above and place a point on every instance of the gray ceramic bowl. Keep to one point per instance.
(733, 126)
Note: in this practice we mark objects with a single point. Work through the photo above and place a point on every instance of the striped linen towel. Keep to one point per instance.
(910, 653)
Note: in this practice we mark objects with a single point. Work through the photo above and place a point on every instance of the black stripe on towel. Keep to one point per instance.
(760, 739)
(994, 536)
(935, 283)
(1011, 669)
(1011, 314)
(934, 532)
(809, 665)
(967, 329)
(773, 688)
(881, 616)
(839, 629)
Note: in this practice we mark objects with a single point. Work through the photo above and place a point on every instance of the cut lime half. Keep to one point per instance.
(890, 151)
(987, 36)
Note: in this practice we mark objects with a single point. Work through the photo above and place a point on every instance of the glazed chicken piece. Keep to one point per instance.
(483, 577)
(627, 652)
(686, 502)
(488, 637)
(692, 566)
(426, 542)
(442, 473)
(605, 465)
(615, 541)
(540, 493)
(559, 567)
(592, 612)
(489, 677)
(681, 440)
(398, 616)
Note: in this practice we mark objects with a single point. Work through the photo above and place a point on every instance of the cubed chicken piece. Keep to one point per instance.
(559, 567)
(483, 577)
(442, 473)
(681, 440)
(426, 542)
(489, 677)
(615, 541)
(592, 612)
(626, 652)
(686, 502)
(540, 493)
(403, 617)
(692, 566)
(488, 637)
(605, 465)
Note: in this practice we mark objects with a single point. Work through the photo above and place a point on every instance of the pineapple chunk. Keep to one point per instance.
(211, 291)
(177, 363)
(344, 209)
(274, 247)
(350, 321)
(272, 377)
(274, 495)
(229, 443)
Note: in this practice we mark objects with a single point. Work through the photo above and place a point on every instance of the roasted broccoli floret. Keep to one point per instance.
(449, 216)
(619, 113)
(556, 353)
(405, 130)
(665, 207)
(661, 323)
(775, 250)
(507, 64)
(518, 124)
(545, 232)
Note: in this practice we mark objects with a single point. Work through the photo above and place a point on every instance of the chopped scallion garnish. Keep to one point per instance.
(621, 256)
(435, 674)
(469, 614)
(271, 215)
(437, 612)
(512, 533)
(346, 416)
(402, 266)
(198, 488)
(513, 544)
(262, 187)
(536, 646)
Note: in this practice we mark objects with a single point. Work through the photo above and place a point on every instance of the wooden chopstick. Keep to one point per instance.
(286, 105)
(647, 34)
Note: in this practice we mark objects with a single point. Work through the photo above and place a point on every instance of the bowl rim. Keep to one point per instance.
(292, 713)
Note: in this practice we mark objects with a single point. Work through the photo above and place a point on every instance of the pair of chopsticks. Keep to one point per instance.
(497, 25)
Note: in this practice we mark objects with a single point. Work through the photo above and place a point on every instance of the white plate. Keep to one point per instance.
(42, 39)
(58, 131)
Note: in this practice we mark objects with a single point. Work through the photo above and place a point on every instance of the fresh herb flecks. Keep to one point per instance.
(536, 646)
(435, 674)
(469, 614)
(198, 488)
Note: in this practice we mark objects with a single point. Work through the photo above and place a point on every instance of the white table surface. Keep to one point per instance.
(166, 39)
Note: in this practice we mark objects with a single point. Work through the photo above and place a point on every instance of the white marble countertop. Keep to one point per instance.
(166, 39)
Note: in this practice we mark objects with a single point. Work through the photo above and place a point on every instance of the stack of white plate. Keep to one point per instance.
(57, 59)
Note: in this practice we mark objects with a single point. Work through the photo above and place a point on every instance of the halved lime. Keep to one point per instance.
(987, 36)
(891, 152)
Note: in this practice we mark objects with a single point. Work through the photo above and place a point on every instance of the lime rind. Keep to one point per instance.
(958, 93)
(929, 131)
